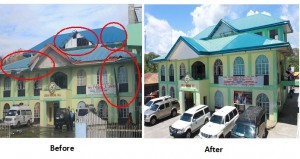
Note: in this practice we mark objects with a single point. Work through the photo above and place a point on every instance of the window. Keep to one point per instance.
(167, 105)
(81, 104)
(201, 113)
(123, 112)
(162, 73)
(274, 34)
(21, 87)
(218, 70)
(7, 85)
(103, 110)
(238, 67)
(37, 86)
(235, 112)
(182, 71)
(174, 102)
(262, 100)
(37, 112)
(5, 109)
(104, 76)
(161, 107)
(231, 115)
(123, 79)
(60, 79)
(82, 42)
(197, 115)
(206, 110)
(219, 100)
(198, 70)
(163, 91)
(227, 118)
(28, 112)
(262, 68)
(171, 73)
(172, 92)
(81, 82)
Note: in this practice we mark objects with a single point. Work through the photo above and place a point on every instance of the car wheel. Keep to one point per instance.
(153, 120)
(174, 113)
(188, 134)
(206, 121)
(28, 123)
(222, 136)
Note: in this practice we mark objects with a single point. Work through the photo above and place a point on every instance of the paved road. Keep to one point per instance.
(41, 132)
(287, 120)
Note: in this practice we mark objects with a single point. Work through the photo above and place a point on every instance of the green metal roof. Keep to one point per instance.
(244, 24)
(134, 34)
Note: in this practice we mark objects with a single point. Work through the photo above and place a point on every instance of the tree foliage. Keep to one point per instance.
(150, 67)
(294, 59)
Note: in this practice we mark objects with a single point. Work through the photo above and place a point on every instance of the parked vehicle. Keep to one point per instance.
(154, 101)
(190, 121)
(161, 110)
(220, 124)
(62, 117)
(250, 124)
(19, 115)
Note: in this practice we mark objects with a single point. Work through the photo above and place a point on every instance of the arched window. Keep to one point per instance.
(238, 67)
(7, 85)
(182, 71)
(21, 87)
(219, 99)
(218, 70)
(123, 79)
(104, 76)
(103, 110)
(81, 104)
(171, 73)
(5, 109)
(60, 79)
(81, 82)
(262, 100)
(262, 68)
(37, 86)
(198, 70)
(162, 73)
(37, 112)
(172, 92)
(123, 112)
(163, 91)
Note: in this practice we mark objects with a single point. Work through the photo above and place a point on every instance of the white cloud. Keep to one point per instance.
(24, 26)
(160, 36)
(251, 12)
(207, 15)
(292, 14)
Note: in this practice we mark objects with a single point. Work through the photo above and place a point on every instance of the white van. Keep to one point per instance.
(220, 124)
(19, 115)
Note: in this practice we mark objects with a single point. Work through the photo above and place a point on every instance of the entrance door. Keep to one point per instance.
(189, 100)
(51, 111)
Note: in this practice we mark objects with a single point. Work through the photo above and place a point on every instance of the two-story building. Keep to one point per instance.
(241, 61)
(75, 83)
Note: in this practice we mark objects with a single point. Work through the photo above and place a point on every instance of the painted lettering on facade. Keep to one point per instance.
(242, 80)
(96, 89)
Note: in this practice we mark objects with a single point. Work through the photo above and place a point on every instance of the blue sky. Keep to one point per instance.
(165, 23)
(24, 26)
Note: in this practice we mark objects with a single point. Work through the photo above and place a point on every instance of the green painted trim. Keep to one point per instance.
(53, 100)
(44, 114)
(188, 89)
(228, 66)
(249, 65)
(229, 96)
(189, 68)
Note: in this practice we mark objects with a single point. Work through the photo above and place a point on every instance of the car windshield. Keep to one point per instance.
(217, 119)
(82, 112)
(186, 117)
(245, 131)
(11, 113)
(149, 103)
(154, 107)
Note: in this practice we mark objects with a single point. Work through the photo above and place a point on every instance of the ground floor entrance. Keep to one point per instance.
(51, 108)
(188, 100)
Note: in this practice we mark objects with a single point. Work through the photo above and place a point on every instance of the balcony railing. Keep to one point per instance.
(81, 89)
(21, 92)
(6, 93)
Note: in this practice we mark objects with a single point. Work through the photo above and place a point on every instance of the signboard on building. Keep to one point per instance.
(241, 97)
(242, 80)
(96, 89)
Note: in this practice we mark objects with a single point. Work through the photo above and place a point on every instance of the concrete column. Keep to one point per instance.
(198, 100)
(181, 101)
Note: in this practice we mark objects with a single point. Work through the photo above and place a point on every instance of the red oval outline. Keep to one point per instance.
(123, 44)
(28, 79)
(139, 79)
(79, 27)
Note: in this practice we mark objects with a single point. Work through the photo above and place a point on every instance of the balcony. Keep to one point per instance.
(21, 92)
(6, 93)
